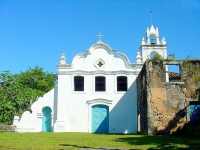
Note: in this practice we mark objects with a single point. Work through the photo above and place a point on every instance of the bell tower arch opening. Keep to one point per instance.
(153, 40)
(153, 54)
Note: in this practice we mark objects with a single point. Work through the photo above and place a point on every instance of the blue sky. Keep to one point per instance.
(37, 32)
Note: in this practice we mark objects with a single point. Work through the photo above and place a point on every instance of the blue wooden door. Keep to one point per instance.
(46, 119)
(100, 118)
(194, 111)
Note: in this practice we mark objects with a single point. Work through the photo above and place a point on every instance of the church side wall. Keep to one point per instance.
(124, 110)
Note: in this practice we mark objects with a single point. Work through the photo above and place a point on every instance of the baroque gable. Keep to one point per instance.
(99, 56)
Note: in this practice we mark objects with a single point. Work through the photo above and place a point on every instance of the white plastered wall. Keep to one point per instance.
(71, 110)
(77, 105)
(32, 121)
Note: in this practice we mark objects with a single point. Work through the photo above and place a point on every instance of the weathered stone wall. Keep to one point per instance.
(163, 105)
(7, 128)
(142, 102)
(190, 77)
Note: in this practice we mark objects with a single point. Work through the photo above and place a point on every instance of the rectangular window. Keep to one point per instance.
(78, 83)
(173, 73)
(122, 83)
(100, 83)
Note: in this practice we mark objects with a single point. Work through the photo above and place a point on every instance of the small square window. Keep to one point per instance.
(100, 83)
(78, 83)
(122, 83)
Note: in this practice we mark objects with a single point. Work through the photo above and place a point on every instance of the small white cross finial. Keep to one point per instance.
(99, 35)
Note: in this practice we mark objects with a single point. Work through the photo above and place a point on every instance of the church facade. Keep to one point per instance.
(95, 93)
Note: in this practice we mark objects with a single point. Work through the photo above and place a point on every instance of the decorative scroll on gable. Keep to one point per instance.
(100, 45)
(127, 63)
(99, 56)
(78, 56)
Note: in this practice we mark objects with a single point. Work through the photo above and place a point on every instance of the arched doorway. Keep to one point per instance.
(100, 118)
(46, 119)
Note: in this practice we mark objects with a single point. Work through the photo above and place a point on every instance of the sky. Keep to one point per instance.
(37, 32)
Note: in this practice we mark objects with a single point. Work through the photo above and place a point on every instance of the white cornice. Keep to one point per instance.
(153, 46)
(80, 72)
(64, 66)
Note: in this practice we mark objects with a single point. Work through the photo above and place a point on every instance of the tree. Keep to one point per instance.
(19, 91)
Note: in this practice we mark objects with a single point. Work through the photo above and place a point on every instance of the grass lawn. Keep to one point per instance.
(65, 141)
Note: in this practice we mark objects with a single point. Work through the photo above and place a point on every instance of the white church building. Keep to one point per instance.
(95, 93)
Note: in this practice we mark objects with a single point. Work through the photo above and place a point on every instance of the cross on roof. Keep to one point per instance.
(99, 35)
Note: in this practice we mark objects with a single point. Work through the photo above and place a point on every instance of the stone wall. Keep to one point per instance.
(163, 105)
(7, 128)
(142, 102)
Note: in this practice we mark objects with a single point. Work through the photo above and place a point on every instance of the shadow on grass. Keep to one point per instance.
(75, 146)
(162, 142)
(90, 148)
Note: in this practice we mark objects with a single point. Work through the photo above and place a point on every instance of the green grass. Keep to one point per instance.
(65, 141)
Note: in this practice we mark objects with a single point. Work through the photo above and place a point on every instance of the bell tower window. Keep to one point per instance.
(153, 40)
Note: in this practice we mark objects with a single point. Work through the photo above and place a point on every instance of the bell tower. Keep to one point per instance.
(152, 45)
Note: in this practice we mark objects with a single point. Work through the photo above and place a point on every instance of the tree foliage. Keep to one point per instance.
(19, 91)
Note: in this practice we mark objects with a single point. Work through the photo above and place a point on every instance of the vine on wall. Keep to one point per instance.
(192, 72)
